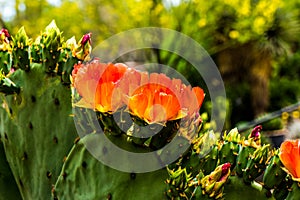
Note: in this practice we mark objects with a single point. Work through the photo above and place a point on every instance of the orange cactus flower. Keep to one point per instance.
(163, 99)
(96, 83)
(290, 157)
(152, 97)
(154, 103)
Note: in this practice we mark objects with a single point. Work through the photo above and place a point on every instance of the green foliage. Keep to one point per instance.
(103, 18)
(273, 124)
(219, 24)
(84, 177)
(284, 85)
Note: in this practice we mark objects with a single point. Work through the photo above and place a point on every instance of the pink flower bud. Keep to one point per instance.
(86, 38)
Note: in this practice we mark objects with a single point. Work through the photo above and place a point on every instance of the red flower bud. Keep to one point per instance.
(5, 32)
(86, 38)
(256, 131)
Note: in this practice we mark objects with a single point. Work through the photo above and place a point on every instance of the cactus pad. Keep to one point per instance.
(38, 130)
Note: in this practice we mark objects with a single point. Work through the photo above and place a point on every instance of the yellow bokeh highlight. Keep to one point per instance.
(234, 34)
(259, 25)
(245, 8)
(295, 114)
(202, 22)
(285, 116)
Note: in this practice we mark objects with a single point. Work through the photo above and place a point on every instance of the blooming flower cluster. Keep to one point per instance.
(152, 97)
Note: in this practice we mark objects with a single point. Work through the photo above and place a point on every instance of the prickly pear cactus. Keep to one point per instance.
(37, 128)
(84, 177)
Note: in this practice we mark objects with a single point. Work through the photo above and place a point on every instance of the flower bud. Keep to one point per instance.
(83, 48)
(5, 36)
(213, 184)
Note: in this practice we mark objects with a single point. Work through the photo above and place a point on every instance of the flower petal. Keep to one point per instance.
(290, 157)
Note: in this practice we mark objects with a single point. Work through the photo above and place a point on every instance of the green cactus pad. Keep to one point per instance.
(8, 186)
(84, 177)
(274, 174)
(37, 130)
(295, 192)
(229, 153)
(236, 189)
(210, 161)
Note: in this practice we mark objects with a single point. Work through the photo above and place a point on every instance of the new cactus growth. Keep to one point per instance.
(256, 164)
(247, 148)
(20, 45)
(178, 182)
(51, 41)
(36, 51)
(230, 147)
(71, 54)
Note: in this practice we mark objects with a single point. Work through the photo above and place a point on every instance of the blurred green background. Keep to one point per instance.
(255, 43)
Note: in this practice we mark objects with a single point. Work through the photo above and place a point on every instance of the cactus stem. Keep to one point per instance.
(256, 185)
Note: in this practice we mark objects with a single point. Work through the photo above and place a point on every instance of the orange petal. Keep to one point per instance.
(290, 157)
(107, 99)
(199, 94)
(138, 104)
(171, 105)
(87, 89)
